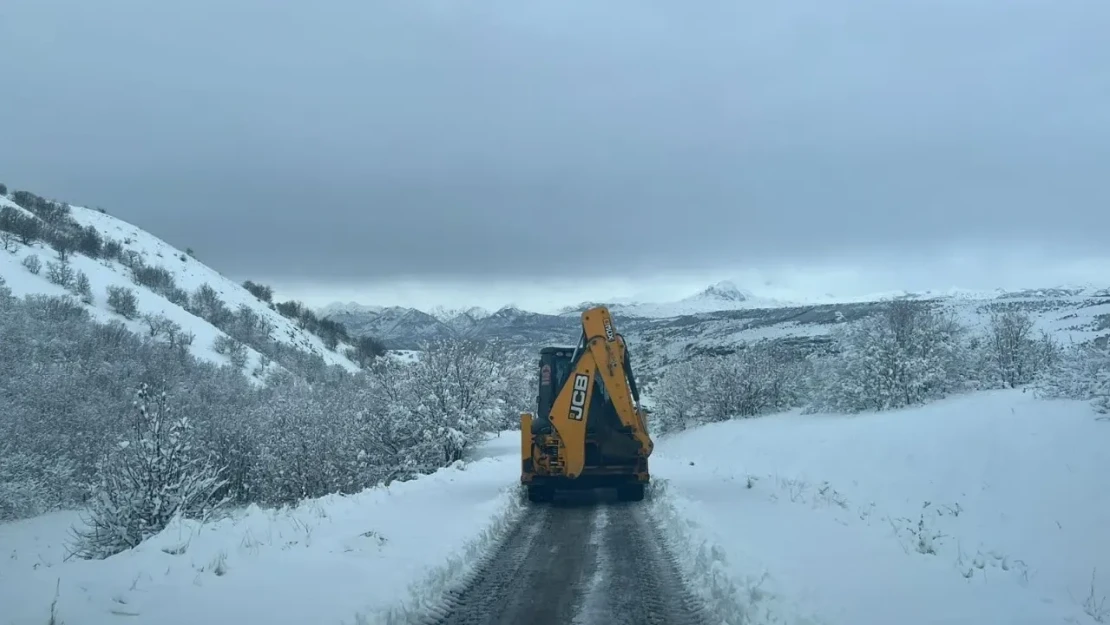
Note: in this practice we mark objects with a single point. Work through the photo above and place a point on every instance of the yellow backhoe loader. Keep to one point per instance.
(589, 430)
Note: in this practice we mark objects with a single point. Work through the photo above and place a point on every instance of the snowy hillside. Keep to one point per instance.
(165, 283)
(986, 508)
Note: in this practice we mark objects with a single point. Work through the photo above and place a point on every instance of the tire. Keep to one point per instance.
(540, 494)
(631, 492)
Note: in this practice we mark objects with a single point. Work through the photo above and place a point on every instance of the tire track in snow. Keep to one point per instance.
(599, 564)
(533, 578)
(594, 606)
(640, 579)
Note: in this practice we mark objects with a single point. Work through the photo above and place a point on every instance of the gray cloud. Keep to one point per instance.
(350, 139)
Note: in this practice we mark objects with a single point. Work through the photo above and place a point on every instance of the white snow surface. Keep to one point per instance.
(188, 274)
(814, 518)
(798, 519)
(336, 559)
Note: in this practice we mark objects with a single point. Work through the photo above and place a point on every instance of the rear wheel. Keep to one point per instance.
(539, 494)
(630, 492)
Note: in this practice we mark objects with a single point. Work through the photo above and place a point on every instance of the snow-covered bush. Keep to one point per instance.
(366, 350)
(90, 243)
(159, 325)
(455, 391)
(232, 348)
(249, 327)
(65, 379)
(306, 431)
(299, 441)
(82, 288)
(261, 291)
(909, 354)
(755, 380)
(1013, 356)
(155, 278)
(1080, 372)
(394, 420)
(518, 390)
(60, 273)
(205, 303)
(31, 484)
(25, 227)
(32, 263)
(156, 473)
(679, 396)
(123, 302)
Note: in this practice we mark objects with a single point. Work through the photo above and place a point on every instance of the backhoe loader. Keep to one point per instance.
(589, 430)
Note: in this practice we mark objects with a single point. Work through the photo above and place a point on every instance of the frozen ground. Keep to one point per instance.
(323, 562)
(988, 508)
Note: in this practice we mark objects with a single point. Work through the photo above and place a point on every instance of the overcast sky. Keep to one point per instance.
(345, 147)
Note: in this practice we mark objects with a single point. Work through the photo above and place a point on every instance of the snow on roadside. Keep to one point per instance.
(990, 507)
(328, 560)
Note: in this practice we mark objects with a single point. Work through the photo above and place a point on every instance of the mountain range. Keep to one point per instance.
(720, 319)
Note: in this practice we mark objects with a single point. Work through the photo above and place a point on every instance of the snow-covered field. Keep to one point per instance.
(986, 508)
(326, 561)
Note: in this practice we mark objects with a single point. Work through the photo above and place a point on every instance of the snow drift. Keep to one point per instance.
(989, 507)
(387, 551)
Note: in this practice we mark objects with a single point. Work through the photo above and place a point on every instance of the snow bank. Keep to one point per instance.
(984, 508)
(329, 560)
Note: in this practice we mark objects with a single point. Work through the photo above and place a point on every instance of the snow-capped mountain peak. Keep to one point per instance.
(452, 315)
(724, 291)
(348, 307)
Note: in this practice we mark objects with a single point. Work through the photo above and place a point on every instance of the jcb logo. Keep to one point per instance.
(609, 334)
(578, 396)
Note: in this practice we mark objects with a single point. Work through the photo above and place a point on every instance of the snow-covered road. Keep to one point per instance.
(589, 561)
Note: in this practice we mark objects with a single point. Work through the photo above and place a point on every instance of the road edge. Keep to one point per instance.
(703, 566)
(435, 595)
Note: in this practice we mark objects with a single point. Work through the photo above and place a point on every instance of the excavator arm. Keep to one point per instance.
(602, 355)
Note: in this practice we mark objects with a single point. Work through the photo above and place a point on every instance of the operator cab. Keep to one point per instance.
(556, 365)
(555, 368)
